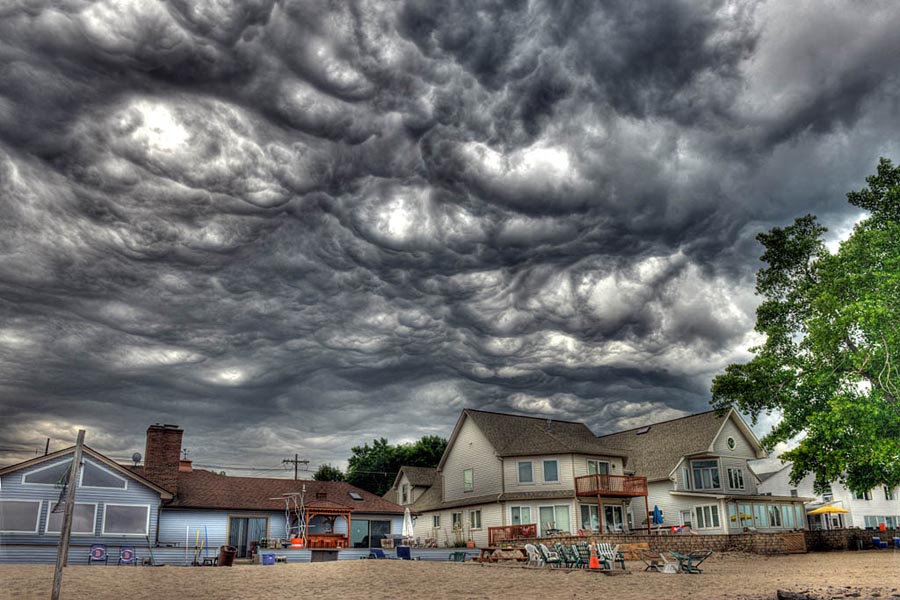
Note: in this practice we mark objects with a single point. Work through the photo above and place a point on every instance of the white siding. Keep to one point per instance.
(727, 462)
(742, 446)
(565, 473)
(491, 516)
(471, 450)
(579, 463)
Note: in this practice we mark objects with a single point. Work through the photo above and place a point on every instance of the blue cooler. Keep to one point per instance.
(268, 558)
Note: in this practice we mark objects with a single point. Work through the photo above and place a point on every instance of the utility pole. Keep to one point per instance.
(296, 461)
(62, 553)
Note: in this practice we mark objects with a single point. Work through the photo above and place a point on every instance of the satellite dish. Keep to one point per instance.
(136, 457)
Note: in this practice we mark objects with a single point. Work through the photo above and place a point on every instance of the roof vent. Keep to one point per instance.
(642, 430)
(549, 425)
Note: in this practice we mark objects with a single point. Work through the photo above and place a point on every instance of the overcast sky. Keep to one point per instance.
(297, 226)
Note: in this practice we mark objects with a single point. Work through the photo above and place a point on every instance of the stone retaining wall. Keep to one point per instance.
(846, 539)
(757, 543)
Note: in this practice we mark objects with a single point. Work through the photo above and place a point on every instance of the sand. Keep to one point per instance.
(872, 574)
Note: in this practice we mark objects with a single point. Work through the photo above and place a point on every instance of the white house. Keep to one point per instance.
(698, 474)
(867, 510)
(501, 469)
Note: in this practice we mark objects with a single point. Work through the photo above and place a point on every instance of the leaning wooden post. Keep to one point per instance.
(62, 553)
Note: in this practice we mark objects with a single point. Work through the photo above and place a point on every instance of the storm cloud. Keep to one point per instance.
(296, 226)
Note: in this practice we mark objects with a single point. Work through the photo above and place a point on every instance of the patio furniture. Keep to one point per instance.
(378, 554)
(690, 562)
(878, 543)
(548, 556)
(534, 556)
(583, 551)
(127, 556)
(458, 557)
(567, 559)
(655, 561)
(405, 553)
(98, 554)
(610, 555)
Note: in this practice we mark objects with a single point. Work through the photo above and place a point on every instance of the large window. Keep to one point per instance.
(520, 515)
(475, 519)
(126, 519)
(551, 470)
(554, 517)
(456, 518)
(526, 472)
(19, 516)
(368, 534)
(787, 516)
(590, 517)
(759, 515)
(706, 474)
(774, 516)
(98, 477)
(53, 475)
(735, 478)
(83, 518)
(707, 516)
(468, 480)
(598, 467)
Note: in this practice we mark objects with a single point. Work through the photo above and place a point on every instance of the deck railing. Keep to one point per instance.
(498, 535)
(611, 485)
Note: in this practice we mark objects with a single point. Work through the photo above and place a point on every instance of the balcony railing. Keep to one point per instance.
(498, 535)
(611, 485)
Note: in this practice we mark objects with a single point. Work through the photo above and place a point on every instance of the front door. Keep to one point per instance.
(245, 532)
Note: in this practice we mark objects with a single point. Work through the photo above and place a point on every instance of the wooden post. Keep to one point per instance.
(62, 553)
(600, 512)
(647, 512)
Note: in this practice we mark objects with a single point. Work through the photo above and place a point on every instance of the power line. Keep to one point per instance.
(296, 460)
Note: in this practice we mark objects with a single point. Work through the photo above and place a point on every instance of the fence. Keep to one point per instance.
(496, 535)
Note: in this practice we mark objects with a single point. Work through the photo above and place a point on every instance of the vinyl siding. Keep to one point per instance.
(579, 463)
(491, 516)
(749, 480)
(174, 525)
(12, 488)
(564, 471)
(471, 449)
(742, 446)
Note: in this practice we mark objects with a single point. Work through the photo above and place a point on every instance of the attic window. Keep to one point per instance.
(355, 496)
(642, 430)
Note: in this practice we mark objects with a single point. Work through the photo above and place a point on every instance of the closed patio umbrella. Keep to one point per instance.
(407, 524)
(657, 515)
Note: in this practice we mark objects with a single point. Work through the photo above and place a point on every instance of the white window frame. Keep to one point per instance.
(520, 507)
(690, 520)
(597, 464)
(472, 514)
(518, 472)
(98, 487)
(889, 493)
(404, 493)
(146, 526)
(467, 487)
(544, 470)
(44, 468)
(590, 508)
(435, 521)
(867, 495)
(735, 473)
(50, 510)
(701, 517)
(772, 511)
(454, 522)
(710, 468)
(37, 525)
(686, 474)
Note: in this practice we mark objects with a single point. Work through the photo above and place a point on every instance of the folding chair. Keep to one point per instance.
(98, 554)
(127, 556)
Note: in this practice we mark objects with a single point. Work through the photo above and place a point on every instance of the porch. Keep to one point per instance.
(612, 486)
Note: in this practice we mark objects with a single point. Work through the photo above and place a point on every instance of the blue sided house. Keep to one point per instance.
(178, 513)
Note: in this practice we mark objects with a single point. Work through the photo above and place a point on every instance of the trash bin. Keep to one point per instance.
(268, 558)
(226, 555)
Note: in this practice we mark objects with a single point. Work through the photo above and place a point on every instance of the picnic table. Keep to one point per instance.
(490, 553)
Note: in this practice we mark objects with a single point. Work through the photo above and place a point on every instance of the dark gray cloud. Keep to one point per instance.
(294, 227)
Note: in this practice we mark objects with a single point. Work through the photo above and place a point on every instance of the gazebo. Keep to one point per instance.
(329, 511)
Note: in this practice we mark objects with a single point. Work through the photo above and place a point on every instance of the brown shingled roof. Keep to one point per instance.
(205, 489)
(513, 435)
(654, 450)
(420, 476)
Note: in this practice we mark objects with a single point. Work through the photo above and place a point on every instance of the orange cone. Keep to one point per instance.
(594, 563)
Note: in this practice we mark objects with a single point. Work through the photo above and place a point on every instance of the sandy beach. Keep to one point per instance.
(733, 576)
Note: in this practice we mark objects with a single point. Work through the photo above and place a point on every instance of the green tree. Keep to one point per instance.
(373, 468)
(829, 364)
(328, 473)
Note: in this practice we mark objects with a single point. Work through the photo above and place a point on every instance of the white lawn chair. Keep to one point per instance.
(550, 557)
(534, 556)
(610, 554)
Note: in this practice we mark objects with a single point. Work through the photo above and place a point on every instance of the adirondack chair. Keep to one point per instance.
(690, 563)
(584, 553)
(550, 558)
(578, 561)
(610, 555)
(567, 559)
(534, 556)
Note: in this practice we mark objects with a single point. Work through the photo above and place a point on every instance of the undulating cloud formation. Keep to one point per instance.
(296, 226)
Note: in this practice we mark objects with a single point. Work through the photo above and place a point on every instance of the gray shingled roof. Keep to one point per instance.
(420, 476)
(512, 435)
(654, 453)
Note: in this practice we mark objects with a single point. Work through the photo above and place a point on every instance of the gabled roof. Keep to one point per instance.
(87, 451)
(655, 450)
(514, 435)
(417, 476)
(205, 489)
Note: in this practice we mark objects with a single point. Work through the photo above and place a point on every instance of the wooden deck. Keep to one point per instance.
(611, 485)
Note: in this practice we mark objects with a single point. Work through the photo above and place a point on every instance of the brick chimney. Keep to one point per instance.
(185, 466)
(162, 455)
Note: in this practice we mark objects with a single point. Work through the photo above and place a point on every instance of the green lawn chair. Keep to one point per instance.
(579, 561)
(584, 553)
(564, 554)
(690, 562)
(610, 555)
(548, 556)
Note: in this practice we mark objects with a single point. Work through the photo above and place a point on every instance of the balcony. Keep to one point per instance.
(611, 485)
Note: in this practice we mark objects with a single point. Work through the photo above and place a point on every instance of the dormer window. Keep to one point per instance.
(706, 474)
(404, 493)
